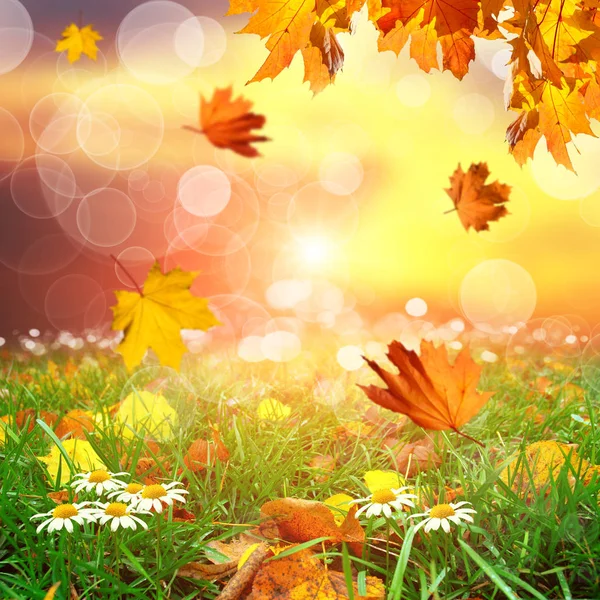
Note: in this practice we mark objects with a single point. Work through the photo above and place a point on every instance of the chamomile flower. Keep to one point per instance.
(154, 495)
(130, 494)
(64, 515)
(119, 514)
(383, 501)
(100, 480)
(443, 514)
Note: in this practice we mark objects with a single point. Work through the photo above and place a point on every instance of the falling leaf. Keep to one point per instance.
(477, 203)
(298, 521)
(301, 576)
(153, 317)
(430, 391)
(78, 41)
(228, 123)
(81, 453)
(542, 462)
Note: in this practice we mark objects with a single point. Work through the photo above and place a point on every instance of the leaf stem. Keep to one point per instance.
(468, 437)
(450, 211)
(194, 129)
(129, 275)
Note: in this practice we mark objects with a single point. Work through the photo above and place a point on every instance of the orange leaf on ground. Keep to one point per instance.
(477, 203)
(428, 389)
(414, 457)
(75, 424)
(228, 123)
(300, 576)
(201, 453)
(296, 520)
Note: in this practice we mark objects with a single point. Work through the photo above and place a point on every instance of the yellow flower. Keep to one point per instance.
(270, 409)
(148, 414)
(80, 452)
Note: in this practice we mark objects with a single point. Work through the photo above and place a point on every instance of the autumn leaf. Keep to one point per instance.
(298, 521)
(414, 457)
(51, 593)
(228, 123)
(75, 424)
(427, 389)
(542, 462)
(153, 317)
(202, 453)
(476, 202)
(300, 576)
(76, 41)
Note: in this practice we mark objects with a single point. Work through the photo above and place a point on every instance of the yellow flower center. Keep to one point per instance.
(64, 511)
(383, 496)
(154, 491)
(99, 476)
(133, 488)
(116, 509)
(441, 511)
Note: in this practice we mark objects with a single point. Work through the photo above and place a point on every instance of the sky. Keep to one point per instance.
(348, 195)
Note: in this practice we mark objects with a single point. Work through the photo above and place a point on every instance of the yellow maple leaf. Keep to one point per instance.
(78, 41)
(153, 317)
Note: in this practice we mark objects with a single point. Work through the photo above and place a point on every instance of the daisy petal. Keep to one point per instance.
(445, 525)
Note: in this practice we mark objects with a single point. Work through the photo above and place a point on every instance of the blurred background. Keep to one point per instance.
(339, 226)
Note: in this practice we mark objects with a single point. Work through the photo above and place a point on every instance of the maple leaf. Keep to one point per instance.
(476, 202)
(78, 41)
(427, 389)
(228, 123)
(75, 424)
(153, 317)
(414, 457)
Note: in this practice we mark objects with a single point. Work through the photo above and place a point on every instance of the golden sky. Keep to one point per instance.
(388, 134)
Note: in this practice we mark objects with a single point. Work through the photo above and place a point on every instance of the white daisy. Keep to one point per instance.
(130, 494)
(443, 514)
(64, 515)
(100, 480)
(154, 495)
(120, 514)
(382, 501)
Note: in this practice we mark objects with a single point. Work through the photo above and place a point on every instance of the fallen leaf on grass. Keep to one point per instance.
(228, 123)
(323, 465)
(181, 515)
(209, 572)
(428, 389)
(202, 453)
(295, 520)
(476, 202)
(52, 591)
(147, 415)
(270, 409)
(300, 576)
(78, 41)
(81, 453)
(154, 316)
(60, 496)
(75, 424)
(542, 462)
(414, 457)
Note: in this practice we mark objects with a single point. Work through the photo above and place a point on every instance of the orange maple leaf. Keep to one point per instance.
(228, 123)
(476, 202)
(428, 389)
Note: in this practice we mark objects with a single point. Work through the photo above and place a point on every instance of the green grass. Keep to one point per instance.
(543, 546)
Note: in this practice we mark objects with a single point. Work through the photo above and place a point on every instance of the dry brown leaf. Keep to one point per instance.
(476, 202)
(209, 572)
(61, 496)
(430, 391)
(414, 457)
(202, 453)
(300, 576)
